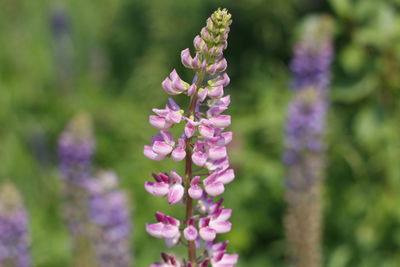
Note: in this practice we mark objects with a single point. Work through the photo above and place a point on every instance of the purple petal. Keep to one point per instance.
(173, 221)
(175, 193)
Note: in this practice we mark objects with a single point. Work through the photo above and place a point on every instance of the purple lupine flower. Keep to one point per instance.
(305, 128)
(207, 150)
(109, 220)
(75, 150)
(96, 211)
(14, 237)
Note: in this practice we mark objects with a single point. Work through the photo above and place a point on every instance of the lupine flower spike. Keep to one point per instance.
(109, 221)
(14, 237)
(96, 210)
(305, 128)
(202, 143)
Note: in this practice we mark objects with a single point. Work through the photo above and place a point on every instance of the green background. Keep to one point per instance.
(111, 63)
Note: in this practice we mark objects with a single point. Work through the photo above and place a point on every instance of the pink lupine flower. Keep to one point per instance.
(218, 256)
(206, 149)
(167, 226)
(214, 184)
(188, 61)
(165, 185)
(215, 224)
(162, 145)
(174, 85)
(167, 117)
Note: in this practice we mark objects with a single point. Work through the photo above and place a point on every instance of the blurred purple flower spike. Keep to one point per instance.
(14, 236)
(305, 128)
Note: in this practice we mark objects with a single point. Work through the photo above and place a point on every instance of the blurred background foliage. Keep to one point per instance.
(108, 57)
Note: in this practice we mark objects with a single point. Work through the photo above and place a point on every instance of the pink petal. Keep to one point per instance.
(189, 130)
(216, 92)
(226, 176)
(168, 87)
(173, 241)
(202, 94)
(176, 177)
(224, 215)
(159, 122)
(169, 231)
(221, 121)
(220, 227)
(217, 152)
(229, 259)
(222, 65)
(199, 43)
(222, 80)
(190, 233)
(215, 189)
(175, 193)
(156, 189)
(227, 137)
(199, 158)
(178, 154)
(186, 58)
(155, 229)
(206, 131)
(149, 153)
(174, 117)
(192, 90)
(195, 192)
(207, 234)
(161, 148)
(167, 137)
